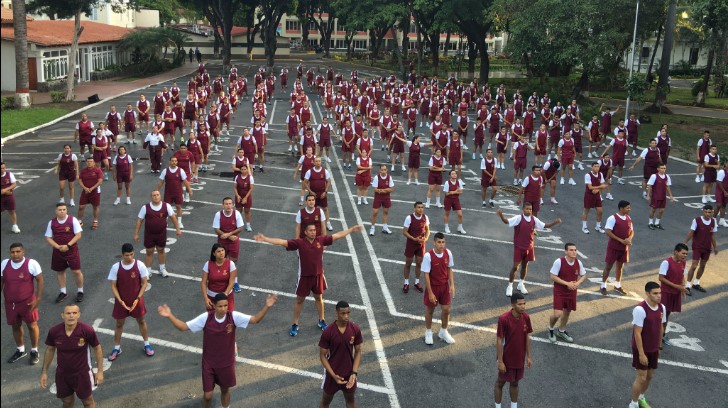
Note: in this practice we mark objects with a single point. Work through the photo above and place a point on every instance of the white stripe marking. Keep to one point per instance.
(258, 209)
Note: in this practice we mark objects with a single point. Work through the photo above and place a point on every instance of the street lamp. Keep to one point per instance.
(631, 62)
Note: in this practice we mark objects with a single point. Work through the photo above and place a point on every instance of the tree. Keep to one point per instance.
(20, 28)
(66, 9)
(429, 19)
(474, 19)
(715, 29)
(219, 13)
(270, 13)
(663, 87)
(167, 9)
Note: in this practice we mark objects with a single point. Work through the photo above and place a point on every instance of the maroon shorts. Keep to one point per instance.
(442, 295)
(398, 147)
(452, 202)
(308, 284)
(564, 302)
(413, 162)
(434, 178)
(363, 179)
(188, 116)
(512, 375)
(143, 117)
(380, 201)
(592, 200)
(20, 312)
(86, 143)
(82, 384)
(615, 255)
(500, 148)
(479, 140)
(155, 240)
(412, 249)
(535, 205)
(520, 255)
(699, 254)
(346, 149)
(64, 175)
(7, 203)
(540, 150)
(331, 387)
(632, 138)
(454, 160)
(70, 259)
(129, 127)
(123, 178)
(222, 376)
(652, 357)
(720, 199)
(100, 155)
(324, 143)
(93, 198)
(520, 163)
(493, 130)
(322, 202)
(672, 301)
(565, 161)
(120, 312)
(232, 248)
(173, 197)
(657, 203)
(554, 138)
(647, 172)
(231, 301)
(248, 204)
(618, 162)
(486, 182)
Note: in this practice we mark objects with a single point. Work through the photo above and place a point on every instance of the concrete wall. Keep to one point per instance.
(680, 51)
(147, 18)
(239, 46)
(7, 54)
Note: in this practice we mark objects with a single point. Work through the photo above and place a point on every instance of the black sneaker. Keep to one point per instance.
(79, 297)
(699, 288)
(17, 356)
(34, 358)
(688, 292)
(659, 226)
(492, 205)
(651, 226)
(61, 297)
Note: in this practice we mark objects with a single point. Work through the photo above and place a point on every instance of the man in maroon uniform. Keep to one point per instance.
(658, 188)
(702, 232)
(84, 133)
(648, 320)
(653, 160)
(173, 178)
(383, 185)
(531, 189)
(228, 224)
(62, 234)
(567, 273)
(594, 184)
(17, 276)
(524, 226)
(7, 200)
(310, 267)
(73, 340)
(218, 328)
(619, 143)
(620, 232)
(154, 215)
(672, 274)
(488, 168)
(128, 282)
(317, 180)
(513, 348)
(310, 214)
(143, 107)
(437, 265)
(417, 231)
(90, 179)
(340, 354)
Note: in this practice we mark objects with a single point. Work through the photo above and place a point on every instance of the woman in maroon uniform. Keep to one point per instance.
(218, 343)
(413, 159)
(620, 232)
(244, 184)
(218, 276)
(567, 273)
(383, 185)
(488, 169)
(434, 178)
(173, 178)
(363, 178)
(348, 143)
(123, 174)
(452, 189)
(305, 163)
(648, 321)
(455, 153)
(67, 170)
(100, 146)
(396, 146)
(90, 179)
(513, 348)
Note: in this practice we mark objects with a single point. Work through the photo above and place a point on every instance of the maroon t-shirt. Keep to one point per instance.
(89, 177)
(703, 235)
(18, 284)
(523, 233)
(675, 272)
(310, 254)
(622, 229)
(340, 347)
(514, 333)
(651, 328)
(218, 341)
(128, 282)
(155, 221)
(569, 273)
(218, 277)
(74, 354)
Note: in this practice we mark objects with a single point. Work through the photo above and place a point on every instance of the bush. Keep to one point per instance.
(58, 97)
(7, 102)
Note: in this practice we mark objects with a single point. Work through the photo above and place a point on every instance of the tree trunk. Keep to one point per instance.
(20, 28)
(472, 54)
(582, 86)
(703, 94)
(70, 82)
(662, 84)
(304, 32)
(419, 50)
(398, 53)
(435, 51)
(447, 44)
(652, 59)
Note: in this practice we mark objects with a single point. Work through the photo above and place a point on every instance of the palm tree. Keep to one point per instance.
(22, 87)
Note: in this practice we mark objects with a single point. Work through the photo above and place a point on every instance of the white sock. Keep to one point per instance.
(236, 280)
(657, 221)
(583, 224)
(603, 285)
(438, 200)
(417, 280)
(33, 349)
(63, 290)
(650, 221)
(498, 405)
(21, 349)
(641, 396)
(146, 343)
(696, 282)
(521, 281)
(301, 198)
(688, 285)
(406, 281)
(162, 266)
(117, 346)
(618, 284)
(514, 405)
(460, 226)
(598, 225)
(428, 201)
(80, 290)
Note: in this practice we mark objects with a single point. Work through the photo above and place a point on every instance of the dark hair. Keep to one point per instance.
(215, 247)
(527, 204)
(623, 204)
(60, 205)
(649, 286)
(305, 226)
(126, 248)
(310, 195)
(569, 244)
(439, 235)
(516, 297)
(16, 245)
(219, 297)
(417, 203)
(681, 247)
(707, 207)
(228, 197)
(342, 304)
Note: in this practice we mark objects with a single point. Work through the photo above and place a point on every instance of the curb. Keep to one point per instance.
(667, 105)
(77, 111)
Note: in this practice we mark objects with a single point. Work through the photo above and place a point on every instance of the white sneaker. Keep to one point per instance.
(711, 199)
(644, 194)
(702, 178)
(15, 229)
(541, 202)
(328, 159)
(248, 228)
(697, 178)
(392, 169)
(447, 229)
(481, 155)
(439, 205)
(599, 229)
(488, 146)
(62, 200)
(404, 168)
(408, 183)
(581, 166)
(128, 201)
(461, 230)
(445, 336)
(117, 201)
(589, 155)
(365, 201)
(473, 156)
(427, 205)
(620, 181)
(428, 338)
(163, 272)
(522, 288)
(572, 182)
(553, 200)
(562, 181)
(585, 230)
(186, 198)
(72, 203)
(515, 182)
(509, 290)
(609, 196)
(705, 200)
(180, 224)
(417, 182)
(328, 226)
(634, 153)
(723, 223)
(371, 231)
(465, 147)
(290, 148)
(385, 229)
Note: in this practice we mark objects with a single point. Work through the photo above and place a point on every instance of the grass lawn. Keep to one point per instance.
(677, 96)
(685, 132)
(16, 120)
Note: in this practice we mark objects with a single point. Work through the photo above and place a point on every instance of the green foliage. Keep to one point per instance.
(58, 97)
(697, 86)
(146, 45)
(636, 88)
(7, 102)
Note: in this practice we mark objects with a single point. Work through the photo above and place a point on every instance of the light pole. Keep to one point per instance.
(631, 62)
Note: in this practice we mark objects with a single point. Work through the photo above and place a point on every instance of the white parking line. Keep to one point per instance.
(258, 209)
(222, 180)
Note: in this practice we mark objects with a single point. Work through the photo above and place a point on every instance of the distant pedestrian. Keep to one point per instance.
(198, 55)
(648, 319)
(90, 179)
(67, 170)
(513, 348)
(340, 354)
(192, 55)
